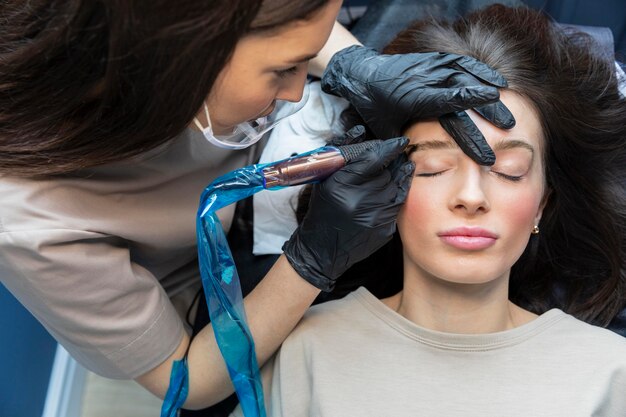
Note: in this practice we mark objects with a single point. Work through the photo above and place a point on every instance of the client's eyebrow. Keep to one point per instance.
(512, 144)
(441, 144)
(430, 144)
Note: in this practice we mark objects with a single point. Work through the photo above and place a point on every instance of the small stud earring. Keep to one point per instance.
(535, 230)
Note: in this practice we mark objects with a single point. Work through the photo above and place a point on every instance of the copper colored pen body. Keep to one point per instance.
(311, 166)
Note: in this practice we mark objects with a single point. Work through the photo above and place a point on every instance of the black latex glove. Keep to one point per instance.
(351, 214)
(465, 133)
(355, 135)
(390, 91)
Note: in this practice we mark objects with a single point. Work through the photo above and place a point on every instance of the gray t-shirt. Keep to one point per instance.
(96, 256)
(357, 357)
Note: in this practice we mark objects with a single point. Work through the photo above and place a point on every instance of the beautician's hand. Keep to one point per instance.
(389, 91)
(351, 214)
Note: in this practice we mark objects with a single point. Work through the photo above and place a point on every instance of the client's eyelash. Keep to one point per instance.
(513, 178)
(429, 174)
(505, 176)
(289, 71)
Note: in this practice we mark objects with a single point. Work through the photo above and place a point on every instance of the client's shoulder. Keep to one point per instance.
(336, 310)
(334, 318)
(592, 338)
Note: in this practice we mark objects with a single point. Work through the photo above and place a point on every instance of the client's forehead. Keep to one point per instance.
(429, 134)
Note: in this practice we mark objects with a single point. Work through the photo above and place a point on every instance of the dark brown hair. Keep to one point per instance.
(87, 82)
(578, 261)
(276, 13)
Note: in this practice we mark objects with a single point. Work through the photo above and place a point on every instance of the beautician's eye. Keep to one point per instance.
(286, 72)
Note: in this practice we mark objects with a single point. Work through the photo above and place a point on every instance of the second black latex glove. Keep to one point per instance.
(351, 214)
(390, 91)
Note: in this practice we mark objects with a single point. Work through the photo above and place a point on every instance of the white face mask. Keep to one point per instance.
(248, 133)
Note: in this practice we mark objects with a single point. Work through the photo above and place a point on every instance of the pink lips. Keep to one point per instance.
(468, 238)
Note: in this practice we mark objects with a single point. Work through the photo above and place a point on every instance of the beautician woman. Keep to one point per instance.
(100, 174)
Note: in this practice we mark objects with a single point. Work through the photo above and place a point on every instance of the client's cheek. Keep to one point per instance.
(419, 211)
(521, 210)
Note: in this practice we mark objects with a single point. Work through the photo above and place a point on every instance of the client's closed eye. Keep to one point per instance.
(428, 174)
(431, 163)
(512, 164)
(514, 178)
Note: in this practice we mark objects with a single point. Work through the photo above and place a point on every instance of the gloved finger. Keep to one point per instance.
(366, 202)
(468, 137)
(449, 100)
(388, 200)
(481, 71)
(348, 177)
(333, 80)
(498, 114)
(403, 179)
(397, 163)
(393, 193)
(355, 135)
(372, 161)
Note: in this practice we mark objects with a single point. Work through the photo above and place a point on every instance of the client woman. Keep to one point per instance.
(506, 269)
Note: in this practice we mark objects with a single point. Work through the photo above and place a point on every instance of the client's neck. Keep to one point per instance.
(458, 308)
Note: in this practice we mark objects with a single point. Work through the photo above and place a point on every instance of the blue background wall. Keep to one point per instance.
(608, 13)
(26, 356)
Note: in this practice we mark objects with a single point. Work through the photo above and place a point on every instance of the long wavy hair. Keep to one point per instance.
(88, 82)
(578, 261)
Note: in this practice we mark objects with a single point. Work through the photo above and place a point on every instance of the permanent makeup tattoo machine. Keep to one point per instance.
(311, 166)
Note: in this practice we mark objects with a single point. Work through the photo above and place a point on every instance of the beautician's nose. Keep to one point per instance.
(292, 87)
(469, 194)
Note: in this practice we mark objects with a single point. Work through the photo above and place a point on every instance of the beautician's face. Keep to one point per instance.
(465, 223)
(268, 67)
